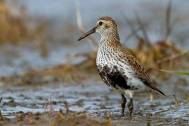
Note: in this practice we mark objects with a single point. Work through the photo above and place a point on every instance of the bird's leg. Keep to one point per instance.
(130, 106)
(123, 102)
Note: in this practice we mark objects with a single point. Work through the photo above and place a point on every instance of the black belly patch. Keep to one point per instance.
(113, 77)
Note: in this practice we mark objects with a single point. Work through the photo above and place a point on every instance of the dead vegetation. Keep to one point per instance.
(12, 29)
(163, 58)
(16, 28)
(54, 119)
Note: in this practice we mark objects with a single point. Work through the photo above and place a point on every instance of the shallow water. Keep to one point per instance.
(93, 98)
(16, 60)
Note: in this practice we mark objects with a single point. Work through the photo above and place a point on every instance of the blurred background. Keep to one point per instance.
(44, 68)
(50, 28)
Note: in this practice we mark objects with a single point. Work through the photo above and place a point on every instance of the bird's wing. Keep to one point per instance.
(141, 72)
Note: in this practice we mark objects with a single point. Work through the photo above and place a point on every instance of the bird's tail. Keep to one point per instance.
(156, 89)
(147, 83)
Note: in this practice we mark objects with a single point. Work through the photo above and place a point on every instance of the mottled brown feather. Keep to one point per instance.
(139, 69)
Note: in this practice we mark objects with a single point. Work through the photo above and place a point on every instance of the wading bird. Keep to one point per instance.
(118, 68)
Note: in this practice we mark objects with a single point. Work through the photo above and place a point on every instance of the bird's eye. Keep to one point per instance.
(100, 23)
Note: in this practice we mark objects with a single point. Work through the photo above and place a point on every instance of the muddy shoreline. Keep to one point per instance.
(97, 103)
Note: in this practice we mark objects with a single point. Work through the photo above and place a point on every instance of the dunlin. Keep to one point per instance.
(118, 68)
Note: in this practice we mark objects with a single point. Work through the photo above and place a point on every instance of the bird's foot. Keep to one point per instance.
(130, 107)
(122, 115)
(123, 105)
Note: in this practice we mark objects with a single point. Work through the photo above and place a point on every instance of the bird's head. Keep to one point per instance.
(104, 26)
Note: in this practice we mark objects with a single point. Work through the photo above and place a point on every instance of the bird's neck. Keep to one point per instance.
(110, 39)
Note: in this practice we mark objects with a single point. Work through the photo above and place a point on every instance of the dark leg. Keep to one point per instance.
(130, 107)
(123, 102)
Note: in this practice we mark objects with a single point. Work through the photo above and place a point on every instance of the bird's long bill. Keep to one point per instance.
(93, 30)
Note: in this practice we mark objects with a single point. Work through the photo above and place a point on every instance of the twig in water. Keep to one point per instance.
(133, 30)
(174, 72)
(177, 103)
(66, 107)
(168, 20)
(81, 27)
(143, 31)
(134, 33)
